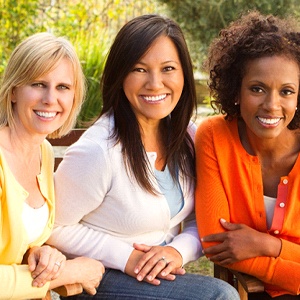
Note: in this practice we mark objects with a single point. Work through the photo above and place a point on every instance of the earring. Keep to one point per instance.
(235, 103)
(296, 107)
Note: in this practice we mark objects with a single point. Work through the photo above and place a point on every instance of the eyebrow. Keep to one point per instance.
(164, 62)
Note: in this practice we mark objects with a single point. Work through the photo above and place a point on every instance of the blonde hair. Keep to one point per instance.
(35, 56)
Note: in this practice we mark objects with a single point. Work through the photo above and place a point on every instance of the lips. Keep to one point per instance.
(269, 121)
(155, 98)
(47, 115)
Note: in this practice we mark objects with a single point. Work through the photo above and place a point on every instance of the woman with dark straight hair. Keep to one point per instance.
(129, 180)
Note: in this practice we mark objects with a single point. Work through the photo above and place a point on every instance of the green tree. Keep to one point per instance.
(201, 20)
(90, 25)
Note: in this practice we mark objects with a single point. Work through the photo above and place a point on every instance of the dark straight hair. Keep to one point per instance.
(130, 44)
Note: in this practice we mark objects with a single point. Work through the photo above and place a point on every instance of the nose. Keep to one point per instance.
(154, 81)
(50, 96)
(272, 101)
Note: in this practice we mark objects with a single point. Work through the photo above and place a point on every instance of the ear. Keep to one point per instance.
(13, 97)
(237, 100)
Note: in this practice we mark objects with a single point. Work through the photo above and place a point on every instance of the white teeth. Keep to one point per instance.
(269, 121)
(155, 98)
(46, 114)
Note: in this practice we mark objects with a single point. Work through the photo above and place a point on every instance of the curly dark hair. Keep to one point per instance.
(252, 36)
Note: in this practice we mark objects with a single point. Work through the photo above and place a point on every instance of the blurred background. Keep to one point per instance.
(91, 26)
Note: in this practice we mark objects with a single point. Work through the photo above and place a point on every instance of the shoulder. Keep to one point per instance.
(218, 130)
(101, 131)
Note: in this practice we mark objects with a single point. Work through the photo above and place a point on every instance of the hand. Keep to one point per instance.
(86, 271)
(158, 261)
(89, 273)
(240, 242)
(45, 264)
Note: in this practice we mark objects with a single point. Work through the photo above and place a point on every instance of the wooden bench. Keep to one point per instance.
(59, 146)
(242, 282)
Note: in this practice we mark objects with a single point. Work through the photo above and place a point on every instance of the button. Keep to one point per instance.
(282, 205)
(285, 181)
(276, 231)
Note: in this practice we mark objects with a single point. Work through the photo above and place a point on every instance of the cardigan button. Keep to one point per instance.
(276, 231)
(282, 205)
(285, 181)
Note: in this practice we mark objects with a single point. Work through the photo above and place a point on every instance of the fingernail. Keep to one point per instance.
(163, 273)
(136, 271)
(35, 284)
(139, 278)
(223, 220)
(149, 278)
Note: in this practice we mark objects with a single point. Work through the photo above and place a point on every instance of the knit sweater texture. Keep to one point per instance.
(101, 210)
(15, 278)
(229, 186)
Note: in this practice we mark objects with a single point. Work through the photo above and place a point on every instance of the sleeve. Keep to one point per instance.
(16, 280)
(81, 182)
(211, 205)
(189, 236)
(16, 283)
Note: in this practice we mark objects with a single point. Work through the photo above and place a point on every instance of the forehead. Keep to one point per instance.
(272, 66)
(163, 49)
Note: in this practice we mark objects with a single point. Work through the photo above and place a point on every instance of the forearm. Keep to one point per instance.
(278, 272)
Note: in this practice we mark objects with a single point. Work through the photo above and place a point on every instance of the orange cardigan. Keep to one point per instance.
(229, 186)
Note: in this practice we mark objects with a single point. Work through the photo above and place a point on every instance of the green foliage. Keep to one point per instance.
(90, 25)
(201, 20)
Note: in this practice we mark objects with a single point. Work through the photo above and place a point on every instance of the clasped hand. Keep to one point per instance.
(240, 242)
(45, 264)
(150, 263)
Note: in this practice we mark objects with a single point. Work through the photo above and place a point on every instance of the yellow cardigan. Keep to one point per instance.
(229, 186)
(15, 279)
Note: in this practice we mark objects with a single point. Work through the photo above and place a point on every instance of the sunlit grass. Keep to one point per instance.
(201, 266)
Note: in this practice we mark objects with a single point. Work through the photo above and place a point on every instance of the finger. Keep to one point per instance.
(179, 271)
(146, 262)
(155, 281)
(32, 262)
(216, 249)
(221, 259)
(216, 237)
(229, 226)
(55, 264)
(168, 269)
(91, 290)
(142, 247)
(162, 264)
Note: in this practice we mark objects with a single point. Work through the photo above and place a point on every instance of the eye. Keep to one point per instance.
(62, 87)
(168, 68)
(38, 84)
(139, 70)
(256, 89)
(287, 92)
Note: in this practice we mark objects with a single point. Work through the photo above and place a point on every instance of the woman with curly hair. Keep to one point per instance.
(247, 158)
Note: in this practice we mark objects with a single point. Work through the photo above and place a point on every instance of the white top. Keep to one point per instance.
(101, 211)
(35, 220)
(269, 208)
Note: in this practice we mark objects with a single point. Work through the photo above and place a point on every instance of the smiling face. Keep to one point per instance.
(155, 83)
(43, 105)
(268, 97)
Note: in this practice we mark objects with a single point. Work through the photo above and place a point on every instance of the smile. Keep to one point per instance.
(47, 115)
(269, 121)
(155, 98)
